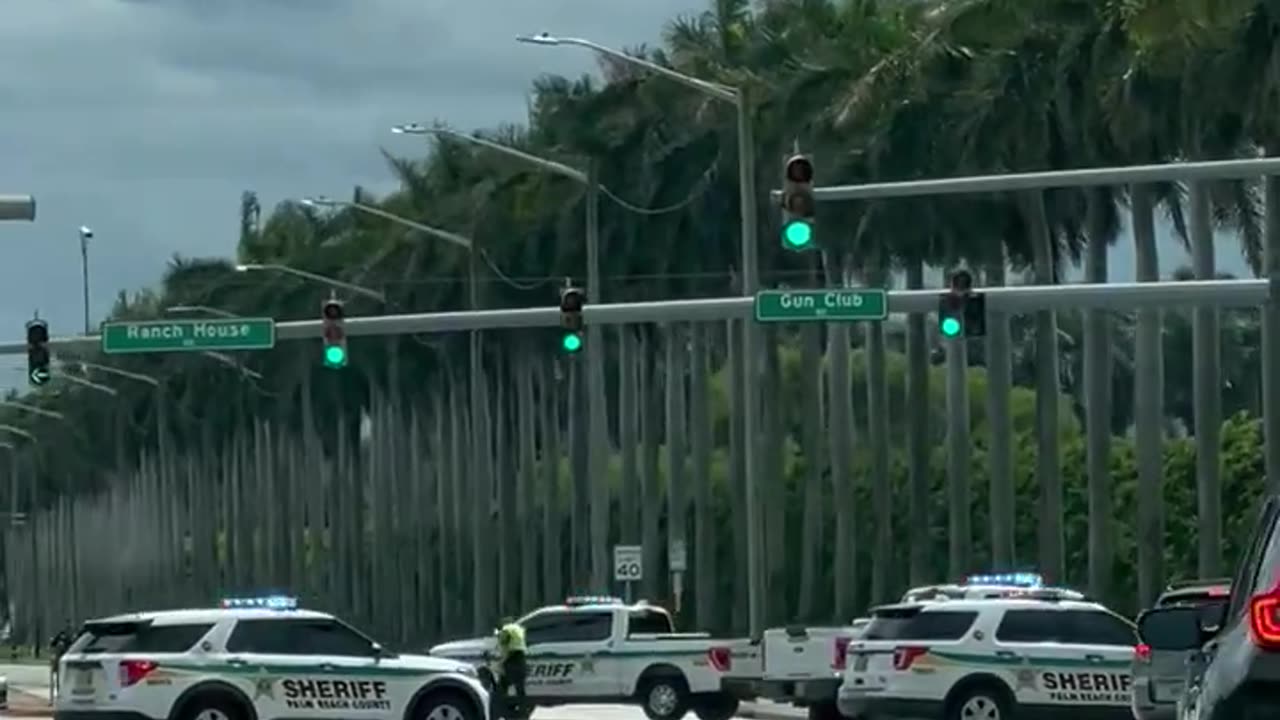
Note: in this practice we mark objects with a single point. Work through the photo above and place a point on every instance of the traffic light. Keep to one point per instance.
(571, 302)
(335, 334)
(38, 352)
(961, 311)
(798, 204)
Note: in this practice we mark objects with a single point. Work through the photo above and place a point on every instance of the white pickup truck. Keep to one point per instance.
(796, 664)
(803, 666)
(601, 650)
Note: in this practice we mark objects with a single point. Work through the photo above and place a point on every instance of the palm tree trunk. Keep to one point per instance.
(1097, 384)
(919, 445)
(704, 546)
(878, 445)
(1207, 391)
(528, 498)
(1000, 427)
(840, 406)
(1048, 461)
(580, 473)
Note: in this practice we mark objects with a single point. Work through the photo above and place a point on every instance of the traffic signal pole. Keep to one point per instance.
(1011, 300)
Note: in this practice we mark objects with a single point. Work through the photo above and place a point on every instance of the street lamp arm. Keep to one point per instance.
(324, 280)
(122, 373)
(723, 92)
(444, 235)
(89, 384)
(231, 362)
(201, 309)
(549, 165)
(18, 431)
(33, 409)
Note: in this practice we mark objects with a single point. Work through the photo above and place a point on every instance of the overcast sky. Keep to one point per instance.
(145, 119)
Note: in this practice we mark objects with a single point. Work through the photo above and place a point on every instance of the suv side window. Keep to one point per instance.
(298, 637)
(1097, 627)
(330, 637)
(1242, 585)
(1029, 626)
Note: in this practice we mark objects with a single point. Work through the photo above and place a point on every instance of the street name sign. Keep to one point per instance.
(628, 563)
(188, 335)
(821, 305)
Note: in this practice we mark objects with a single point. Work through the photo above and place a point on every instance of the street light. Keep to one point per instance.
(323, 279)
(34, 410)
(86, 234)
(17, 207)
(750, 270)
(324, 202)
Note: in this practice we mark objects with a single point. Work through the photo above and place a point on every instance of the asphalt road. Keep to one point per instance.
(34, 679)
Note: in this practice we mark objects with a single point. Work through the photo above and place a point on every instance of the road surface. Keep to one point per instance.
(34, 680)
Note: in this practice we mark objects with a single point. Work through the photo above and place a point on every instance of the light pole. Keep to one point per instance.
(445, 235)
(314, 277)
(750, 259)
(86, 234)
(220, 357)
(596, 396)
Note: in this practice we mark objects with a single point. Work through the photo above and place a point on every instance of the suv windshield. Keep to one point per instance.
(912, 622)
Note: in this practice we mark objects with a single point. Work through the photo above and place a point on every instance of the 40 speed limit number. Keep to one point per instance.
(628, 563)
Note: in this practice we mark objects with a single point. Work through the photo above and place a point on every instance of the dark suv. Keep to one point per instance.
(1160, 671)
(1233, 667)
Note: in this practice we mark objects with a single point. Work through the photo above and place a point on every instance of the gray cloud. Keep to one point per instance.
(145, 119)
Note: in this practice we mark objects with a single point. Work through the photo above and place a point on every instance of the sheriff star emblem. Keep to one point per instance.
(264, 685)
(587, 665)
(1026, 680)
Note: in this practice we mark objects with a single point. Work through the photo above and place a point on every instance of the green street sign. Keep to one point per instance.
(188, 335)
(821, 305)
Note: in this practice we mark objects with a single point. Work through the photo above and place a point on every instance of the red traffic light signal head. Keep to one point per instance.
(332, 310)
(799, 204)
(799, 169)
(37, 332)
(572, 300)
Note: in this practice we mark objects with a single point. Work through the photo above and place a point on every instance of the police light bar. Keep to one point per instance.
(576, 600)
(1022, 579)
(269, 602)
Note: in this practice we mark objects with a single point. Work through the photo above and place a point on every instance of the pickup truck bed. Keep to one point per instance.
(797, 665)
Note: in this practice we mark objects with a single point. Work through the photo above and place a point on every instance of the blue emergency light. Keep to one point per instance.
(267, 602)
(578, 600)
(1019, 579)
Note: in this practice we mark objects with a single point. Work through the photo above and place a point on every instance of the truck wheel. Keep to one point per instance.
(665, 697)
(980, 702)
(716, 707)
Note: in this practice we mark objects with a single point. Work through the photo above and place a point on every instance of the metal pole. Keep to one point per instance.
(314, 277)
(751, 364)
(597, 412)
(17, 207)
(1012, 300)
(1166, 172)
(84, 272)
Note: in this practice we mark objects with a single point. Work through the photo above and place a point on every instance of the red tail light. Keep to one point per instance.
(842, 654)
(1263, 623)
(721, 659)
(1142, 653)
(133, 671)
(903, 657)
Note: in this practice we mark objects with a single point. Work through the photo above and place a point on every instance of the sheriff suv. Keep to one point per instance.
(253, 659)
(1233, 672)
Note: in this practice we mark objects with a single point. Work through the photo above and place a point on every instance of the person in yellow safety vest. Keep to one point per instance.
(511, 655)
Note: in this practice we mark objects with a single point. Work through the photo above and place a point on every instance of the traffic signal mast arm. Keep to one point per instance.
(1011, 300)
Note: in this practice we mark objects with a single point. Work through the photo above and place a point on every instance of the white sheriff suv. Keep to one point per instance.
(254, 659)
(598, 649)
(1041, 653)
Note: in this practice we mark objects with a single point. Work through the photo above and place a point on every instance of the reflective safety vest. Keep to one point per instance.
(510, 639)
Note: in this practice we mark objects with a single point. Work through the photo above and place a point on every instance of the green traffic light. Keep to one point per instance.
(950, 327)
(797, 235)
(335, 356)
(571, 342)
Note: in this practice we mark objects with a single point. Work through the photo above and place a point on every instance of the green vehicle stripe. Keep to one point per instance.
(1057, 662)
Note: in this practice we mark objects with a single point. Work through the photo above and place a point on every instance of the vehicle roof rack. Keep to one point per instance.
(1184, 584)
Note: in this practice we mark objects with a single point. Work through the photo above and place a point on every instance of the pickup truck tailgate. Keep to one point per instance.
(804, 653)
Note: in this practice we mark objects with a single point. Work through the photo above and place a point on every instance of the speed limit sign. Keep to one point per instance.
(628, 563)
